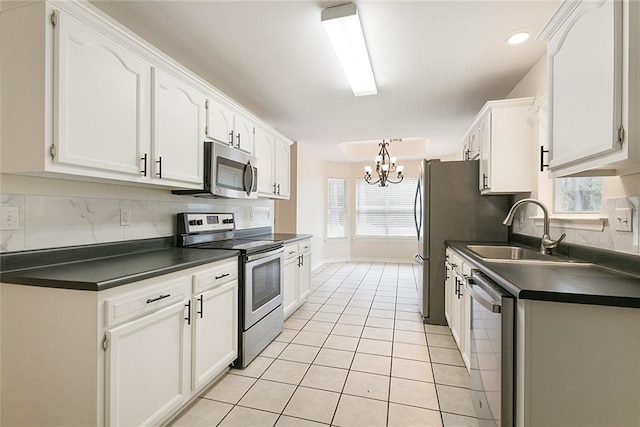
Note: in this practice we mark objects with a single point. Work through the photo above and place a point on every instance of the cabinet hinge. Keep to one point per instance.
(54, 19)
(206, 104)
(620, 135)
(105, 343)
(52, 151)
(206, 130)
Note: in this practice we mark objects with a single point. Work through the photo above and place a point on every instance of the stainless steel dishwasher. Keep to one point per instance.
(492, 351)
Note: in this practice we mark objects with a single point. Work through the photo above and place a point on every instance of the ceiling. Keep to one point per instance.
(435, 62)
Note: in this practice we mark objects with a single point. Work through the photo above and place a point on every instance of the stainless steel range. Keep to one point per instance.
(261, 269)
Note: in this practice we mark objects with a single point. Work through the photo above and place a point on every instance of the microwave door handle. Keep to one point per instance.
(248, 178)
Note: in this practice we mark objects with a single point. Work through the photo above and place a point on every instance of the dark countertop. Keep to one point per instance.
(284, 237)
(582, 284)
(266, 233)
(99, 272)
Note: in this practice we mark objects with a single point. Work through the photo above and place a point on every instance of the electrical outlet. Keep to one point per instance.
(9, 218)
(624, 217)
(125, 216)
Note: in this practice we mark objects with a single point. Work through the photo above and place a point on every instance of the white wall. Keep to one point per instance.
(311, 200)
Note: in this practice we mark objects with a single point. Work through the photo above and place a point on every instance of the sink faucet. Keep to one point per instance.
(547, 244)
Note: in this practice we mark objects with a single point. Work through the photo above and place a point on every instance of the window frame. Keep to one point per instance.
(346, 209)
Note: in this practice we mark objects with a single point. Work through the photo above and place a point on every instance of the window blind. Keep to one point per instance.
(385, 211)
(336, 208)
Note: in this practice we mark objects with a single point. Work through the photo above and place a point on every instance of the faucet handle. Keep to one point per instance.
(548, 244)
(557, 242)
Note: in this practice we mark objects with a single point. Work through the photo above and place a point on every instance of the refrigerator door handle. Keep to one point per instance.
(415, 210)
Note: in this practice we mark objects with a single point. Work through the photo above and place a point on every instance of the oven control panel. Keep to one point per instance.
(202, 222)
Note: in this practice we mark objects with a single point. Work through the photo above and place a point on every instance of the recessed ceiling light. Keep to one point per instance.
(518, 37)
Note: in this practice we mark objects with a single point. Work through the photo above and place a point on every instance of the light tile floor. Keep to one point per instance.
(354, 354)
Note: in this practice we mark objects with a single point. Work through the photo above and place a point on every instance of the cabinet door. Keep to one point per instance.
(448, 292)
(147, 368)
(219, 122)
(484, 143)
(178, 119)
(585, 87)
(290, 291)
(102, 101)
(244, 134)
(264, 147)
(304, 276)
(282, 166)
(456, 310)
(215, 332)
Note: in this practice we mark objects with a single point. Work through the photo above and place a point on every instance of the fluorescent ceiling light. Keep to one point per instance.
(343, 28)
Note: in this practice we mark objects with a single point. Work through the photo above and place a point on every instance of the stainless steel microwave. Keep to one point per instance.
(228, 172)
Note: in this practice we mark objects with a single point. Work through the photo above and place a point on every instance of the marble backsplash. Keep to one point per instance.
(608, 238)
(57, 221)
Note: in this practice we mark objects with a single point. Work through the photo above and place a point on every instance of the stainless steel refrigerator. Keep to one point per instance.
(448, 206)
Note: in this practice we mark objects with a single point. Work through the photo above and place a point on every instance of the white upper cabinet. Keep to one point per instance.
(102, 102)
(264, 148)
(244, 133)
(92, 101)
(219, 122)
(228, 127)
(178, 118)
(274, 156)
(282, 167)
(502, 132)
(594, 89)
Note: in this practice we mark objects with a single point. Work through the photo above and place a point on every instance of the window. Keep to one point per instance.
(385, 211)
(336, 208)
(577, 195)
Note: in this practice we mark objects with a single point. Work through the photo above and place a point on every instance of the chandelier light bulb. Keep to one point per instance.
(399, 168)
(394, 160)
(367, 169)
(385, 168)
(378, 160)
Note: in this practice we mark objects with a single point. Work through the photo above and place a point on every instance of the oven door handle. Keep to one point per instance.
(262, 255)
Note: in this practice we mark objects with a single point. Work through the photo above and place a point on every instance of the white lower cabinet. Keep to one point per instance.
(577, 364)
(291, 292)
(458, 303)
(304, 270)
(297, 275)
(130, 355)
(146, 368)
(215, 343)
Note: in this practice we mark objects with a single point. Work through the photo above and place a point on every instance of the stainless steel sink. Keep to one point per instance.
(519, 254)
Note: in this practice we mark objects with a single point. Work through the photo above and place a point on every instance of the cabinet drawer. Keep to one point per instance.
(456, 263)
(137, 304)
(220, 273)
(290, 251)
(304, 246)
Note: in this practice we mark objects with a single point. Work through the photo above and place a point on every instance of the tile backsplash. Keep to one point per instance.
(608, 238)
(58, 221)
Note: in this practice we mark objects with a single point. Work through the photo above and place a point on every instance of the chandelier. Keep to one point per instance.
(385, 164)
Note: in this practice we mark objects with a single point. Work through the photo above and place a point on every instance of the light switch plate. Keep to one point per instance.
(624, 219)
(9, 218)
